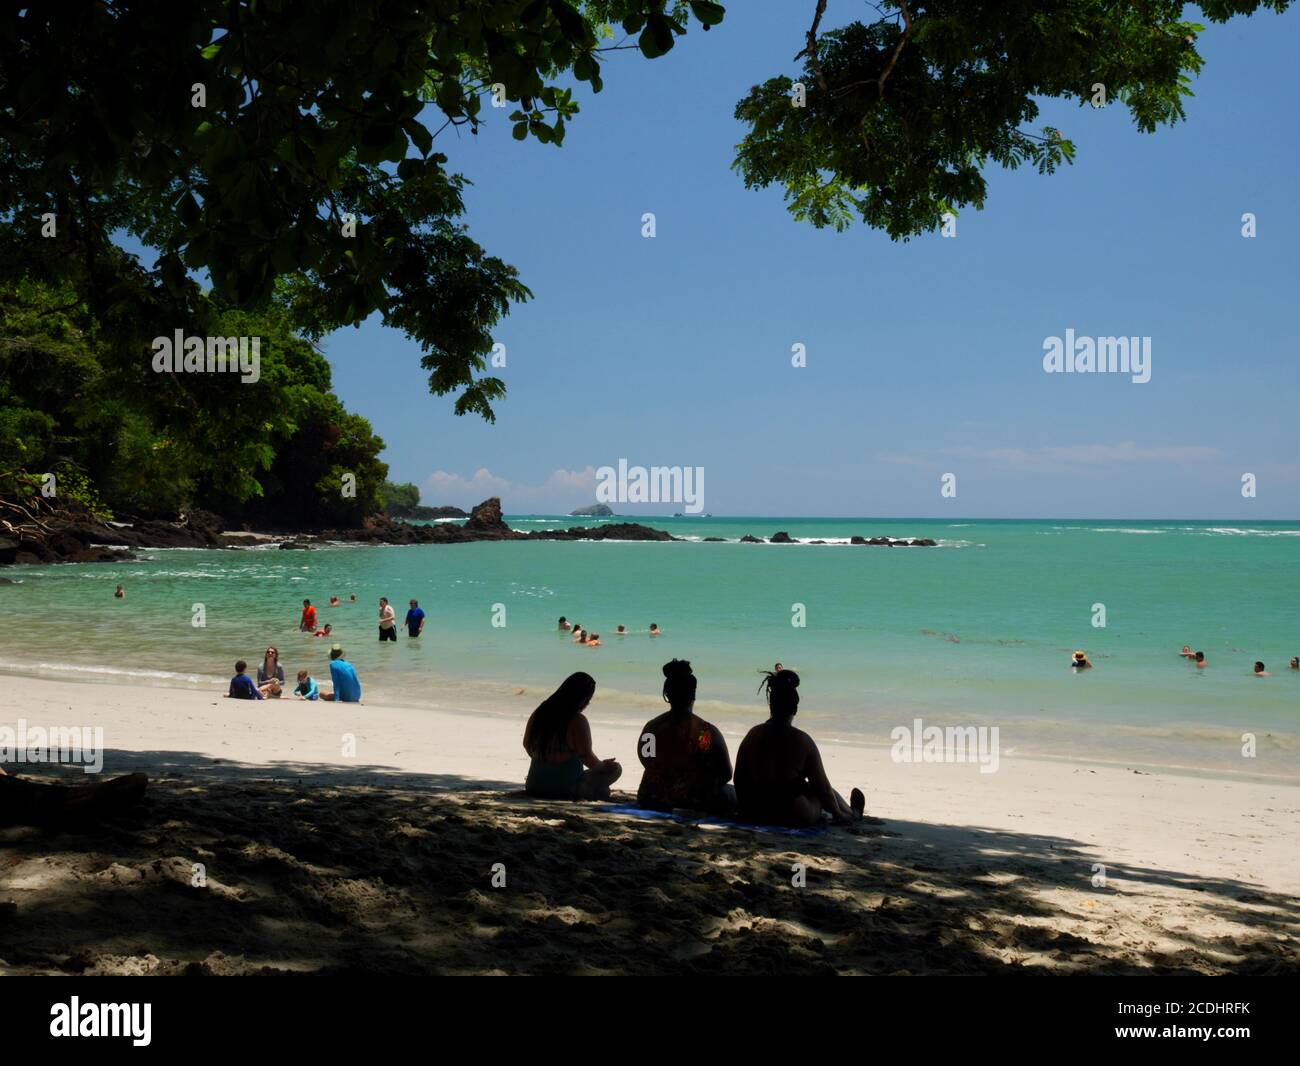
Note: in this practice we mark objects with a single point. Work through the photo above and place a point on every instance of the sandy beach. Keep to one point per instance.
(382, 860)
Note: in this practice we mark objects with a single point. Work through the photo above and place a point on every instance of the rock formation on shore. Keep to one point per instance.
(39, 532)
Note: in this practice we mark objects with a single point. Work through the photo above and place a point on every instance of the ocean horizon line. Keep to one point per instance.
(888, 518)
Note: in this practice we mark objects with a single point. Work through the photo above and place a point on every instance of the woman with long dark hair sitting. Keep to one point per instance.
(779, 775)
(558, 738)
(685, 758)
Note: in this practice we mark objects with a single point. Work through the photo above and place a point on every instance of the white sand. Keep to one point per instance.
(1201, 873)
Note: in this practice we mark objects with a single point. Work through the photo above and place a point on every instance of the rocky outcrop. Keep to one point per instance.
(486, 517)
(616, 531)
(73, 534)
(596, 510)
(421, 512)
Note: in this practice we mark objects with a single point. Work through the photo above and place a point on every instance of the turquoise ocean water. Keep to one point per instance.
(976, 631)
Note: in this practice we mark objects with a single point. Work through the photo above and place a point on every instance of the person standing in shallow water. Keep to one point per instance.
(685, 758)
(558, 740)
(387, 620)
(779, 775)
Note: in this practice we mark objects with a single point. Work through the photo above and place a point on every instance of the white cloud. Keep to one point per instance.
(561, 492)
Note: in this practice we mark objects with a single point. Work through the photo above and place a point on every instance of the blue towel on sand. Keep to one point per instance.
(716, 820)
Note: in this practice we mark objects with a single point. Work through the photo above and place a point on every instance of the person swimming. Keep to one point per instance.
(579, 636)
(654, 630)
(1200, 660)
(593, 641)
(1080, 661)
(1260, 671)
(1295, 662)
(558, 740)
(621, 631)
(324, 631)
(564, 624)
(119, 593)
(1187, 652)
(685, 758)
(779, 775)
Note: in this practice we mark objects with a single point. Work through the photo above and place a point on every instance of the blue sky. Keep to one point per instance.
(922, 358)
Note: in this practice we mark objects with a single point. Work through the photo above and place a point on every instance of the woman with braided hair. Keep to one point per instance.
(779, 775)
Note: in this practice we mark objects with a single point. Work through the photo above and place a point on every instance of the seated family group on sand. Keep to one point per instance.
(779, 777)
(270, 680)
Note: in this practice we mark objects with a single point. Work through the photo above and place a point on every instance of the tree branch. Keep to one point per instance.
(810, 49)
(898, 48)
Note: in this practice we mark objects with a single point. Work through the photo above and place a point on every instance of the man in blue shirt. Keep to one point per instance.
(241, 685)
(415, 619)
(347, 689)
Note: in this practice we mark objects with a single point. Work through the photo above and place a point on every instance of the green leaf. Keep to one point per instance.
(708, 12)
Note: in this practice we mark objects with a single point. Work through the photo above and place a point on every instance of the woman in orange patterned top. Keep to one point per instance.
(685, 758)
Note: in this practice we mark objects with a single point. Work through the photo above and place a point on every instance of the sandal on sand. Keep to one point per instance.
(857, 801)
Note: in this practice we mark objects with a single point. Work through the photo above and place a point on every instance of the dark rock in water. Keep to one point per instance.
(924, 542)
(486, 517)
(782, 538)
(95, 555)
(617, 531)
(596, 510)
(816, 542)
(747, 539)
(880, 540)
(714, 540)
(8, 550)
(290, 545)
(7, 581)
(858, 540)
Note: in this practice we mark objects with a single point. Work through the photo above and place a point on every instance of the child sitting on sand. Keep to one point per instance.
(558, 740)
(306, 688)
(241, 685)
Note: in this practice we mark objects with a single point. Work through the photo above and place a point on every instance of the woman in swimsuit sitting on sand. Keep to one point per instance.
(558, 739)
(685, 758)
(779, 775)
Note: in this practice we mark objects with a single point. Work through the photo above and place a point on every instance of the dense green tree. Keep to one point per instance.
(81, 398)
(401, 497)
(237, 138)
(898, 118)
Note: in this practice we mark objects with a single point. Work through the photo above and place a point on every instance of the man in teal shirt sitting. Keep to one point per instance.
(347, 689)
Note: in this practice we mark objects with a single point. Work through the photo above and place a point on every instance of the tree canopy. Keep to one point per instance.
(895, 121)
(238, 139)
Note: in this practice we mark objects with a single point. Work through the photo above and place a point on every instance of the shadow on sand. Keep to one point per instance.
(366, 870)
